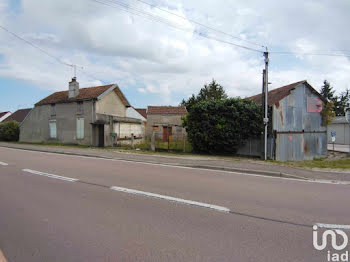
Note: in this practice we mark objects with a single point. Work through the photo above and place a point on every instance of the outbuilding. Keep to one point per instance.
(296, 128)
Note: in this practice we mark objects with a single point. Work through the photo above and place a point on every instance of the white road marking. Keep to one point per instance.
(49, 175)
(185, 167)
(169, 198)
(333, 226)
(3, 164)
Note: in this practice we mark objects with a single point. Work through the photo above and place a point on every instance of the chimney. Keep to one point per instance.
(73, 88)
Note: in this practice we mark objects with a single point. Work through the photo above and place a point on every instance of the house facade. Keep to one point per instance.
(297, 130)
(94, 116)
(166, 122)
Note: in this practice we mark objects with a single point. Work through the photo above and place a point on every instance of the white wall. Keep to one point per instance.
(5, 116)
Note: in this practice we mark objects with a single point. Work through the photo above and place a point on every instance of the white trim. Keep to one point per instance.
(3, 164)
(172, 199)
(5, 116)
(106, 92)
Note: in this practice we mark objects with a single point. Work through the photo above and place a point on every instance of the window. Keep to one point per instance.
(53, 109)
(53, 130)
(80, 108)
(80, 128)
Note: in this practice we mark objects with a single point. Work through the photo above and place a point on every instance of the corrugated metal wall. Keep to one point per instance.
(297, 121)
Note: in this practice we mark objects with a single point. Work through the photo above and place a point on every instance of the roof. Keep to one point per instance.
(166, 110)
(19, 115)
(142, 111)
(4, 113)
(339, 120)
(278, 94)
(88, 93)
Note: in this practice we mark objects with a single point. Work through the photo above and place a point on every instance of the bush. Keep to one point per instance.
(9, 131)
(223, 126)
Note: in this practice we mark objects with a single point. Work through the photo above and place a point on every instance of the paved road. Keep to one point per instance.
(62, 208)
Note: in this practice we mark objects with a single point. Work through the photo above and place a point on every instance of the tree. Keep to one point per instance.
(327, 91)
(9, 131)
(341, 102)
(213, 91)
(222, 126)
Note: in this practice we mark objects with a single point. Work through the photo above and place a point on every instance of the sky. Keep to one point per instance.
(160, 63)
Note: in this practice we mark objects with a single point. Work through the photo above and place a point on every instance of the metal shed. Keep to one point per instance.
(297, 129)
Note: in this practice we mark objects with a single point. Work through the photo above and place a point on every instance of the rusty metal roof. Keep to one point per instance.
(84, 94)
(278, 94)
(166, 110)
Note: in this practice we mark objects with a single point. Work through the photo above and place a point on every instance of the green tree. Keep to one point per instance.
(213, 91)
(341, 102)
(327, 91)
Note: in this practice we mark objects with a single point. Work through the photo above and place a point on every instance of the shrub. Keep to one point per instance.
(223, 126)
(9, 131)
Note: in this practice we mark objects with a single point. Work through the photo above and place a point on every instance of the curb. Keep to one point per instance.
(218, 168)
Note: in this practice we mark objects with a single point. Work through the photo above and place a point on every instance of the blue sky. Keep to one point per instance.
(155, 64)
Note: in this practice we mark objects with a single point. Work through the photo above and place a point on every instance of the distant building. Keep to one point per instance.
(166, 122)
(93, 116)
(4, 115)
(341, 128)
(19, 115)
(296, 124)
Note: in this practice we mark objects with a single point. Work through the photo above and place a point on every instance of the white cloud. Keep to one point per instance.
(152, 58)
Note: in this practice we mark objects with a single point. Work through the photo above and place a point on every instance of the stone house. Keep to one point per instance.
(94, 116)
(296, 129)
(166, 122)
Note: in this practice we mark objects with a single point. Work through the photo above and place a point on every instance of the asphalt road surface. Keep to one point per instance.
(66, 208)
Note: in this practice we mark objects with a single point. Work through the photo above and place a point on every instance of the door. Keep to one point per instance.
(101, 135)
(166, 133)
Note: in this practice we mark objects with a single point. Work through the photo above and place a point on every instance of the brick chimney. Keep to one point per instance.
(73, 88)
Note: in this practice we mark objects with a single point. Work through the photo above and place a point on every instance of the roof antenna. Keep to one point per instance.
(75, 70)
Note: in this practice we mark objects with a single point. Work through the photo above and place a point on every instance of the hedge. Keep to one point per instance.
(9, 131)
(223, 126)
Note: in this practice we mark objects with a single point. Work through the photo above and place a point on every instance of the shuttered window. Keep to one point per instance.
(80, 128)
(53, 130)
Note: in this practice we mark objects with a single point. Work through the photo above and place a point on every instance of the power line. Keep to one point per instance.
(308, 54)
(201, 24)
(149, 16)
(35, 46)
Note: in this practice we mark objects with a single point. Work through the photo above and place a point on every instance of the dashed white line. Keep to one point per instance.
(50, 175)
(333, 226)
(3, 164)
(169, 198)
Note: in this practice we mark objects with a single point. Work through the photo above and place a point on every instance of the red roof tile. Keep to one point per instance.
(166, 110)
(19, 115)
(277, 94)
(142, 111)
(84, 94)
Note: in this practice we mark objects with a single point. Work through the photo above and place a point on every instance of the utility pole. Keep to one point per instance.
(266, 117)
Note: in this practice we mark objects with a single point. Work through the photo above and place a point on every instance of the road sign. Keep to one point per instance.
(333, 139)
(333, 133)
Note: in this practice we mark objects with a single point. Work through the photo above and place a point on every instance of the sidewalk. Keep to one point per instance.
(338, 148)
(207, 162)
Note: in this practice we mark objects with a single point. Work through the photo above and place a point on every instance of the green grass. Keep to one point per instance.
(50, 144)
(318, 163)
